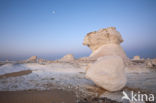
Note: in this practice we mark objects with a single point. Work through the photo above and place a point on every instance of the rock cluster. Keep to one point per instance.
(108, 71)
(67, 58)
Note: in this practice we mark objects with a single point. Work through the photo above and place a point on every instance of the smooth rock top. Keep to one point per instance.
(136, 58)
(68, 57)
(32, 59)
(96, 39)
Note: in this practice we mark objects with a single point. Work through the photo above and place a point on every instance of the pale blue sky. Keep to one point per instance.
(53, 28)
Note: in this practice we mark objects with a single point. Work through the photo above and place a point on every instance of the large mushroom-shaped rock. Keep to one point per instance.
(67, 58)
(105, 42)
(32, 59)
(108, 72)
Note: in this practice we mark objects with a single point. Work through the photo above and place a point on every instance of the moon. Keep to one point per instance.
(53, 12)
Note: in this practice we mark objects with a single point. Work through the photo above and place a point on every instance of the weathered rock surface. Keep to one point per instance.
(108, 72)
(136, 58)
(105, 42)
(149, 63)
(96, 39)
(154, 61)
(32, 59)
(67, 58)
(42, 61)
(109, 49)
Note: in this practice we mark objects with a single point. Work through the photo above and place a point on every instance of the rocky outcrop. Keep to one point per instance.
(42, 61)
(67, 58)
(108, 72)
(136, 58)
(154, 62)
(32, 59)
(105, 42)
(151, 63)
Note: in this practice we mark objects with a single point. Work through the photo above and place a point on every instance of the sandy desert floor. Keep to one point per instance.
(65, 82)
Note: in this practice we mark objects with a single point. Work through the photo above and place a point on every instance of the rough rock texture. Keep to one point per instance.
(42, 61)
(96, 39)
(105, 42)
(83, 59)
(109, 49)
(67, 58)
(32, 59)
(108, 72)
(136, 58)
(154, 61)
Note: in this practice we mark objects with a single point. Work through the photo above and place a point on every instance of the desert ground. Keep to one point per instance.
(65, 82)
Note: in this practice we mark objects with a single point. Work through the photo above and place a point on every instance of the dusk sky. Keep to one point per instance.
(52, 28)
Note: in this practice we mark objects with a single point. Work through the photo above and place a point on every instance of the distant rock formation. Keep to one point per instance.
(108, 72)
(42, 61)
(67, 58)
(136, 58)
(32, 59)
(105, 42)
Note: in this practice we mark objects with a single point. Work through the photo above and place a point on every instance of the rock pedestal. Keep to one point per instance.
(108, 72)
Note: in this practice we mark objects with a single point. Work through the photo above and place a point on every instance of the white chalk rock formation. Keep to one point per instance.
(108, 72)
(32, 59)
(105, 42)
(42, 61)
(136, 58)
(67, 58)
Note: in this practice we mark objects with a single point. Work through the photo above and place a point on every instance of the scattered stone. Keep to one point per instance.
(108, 72)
